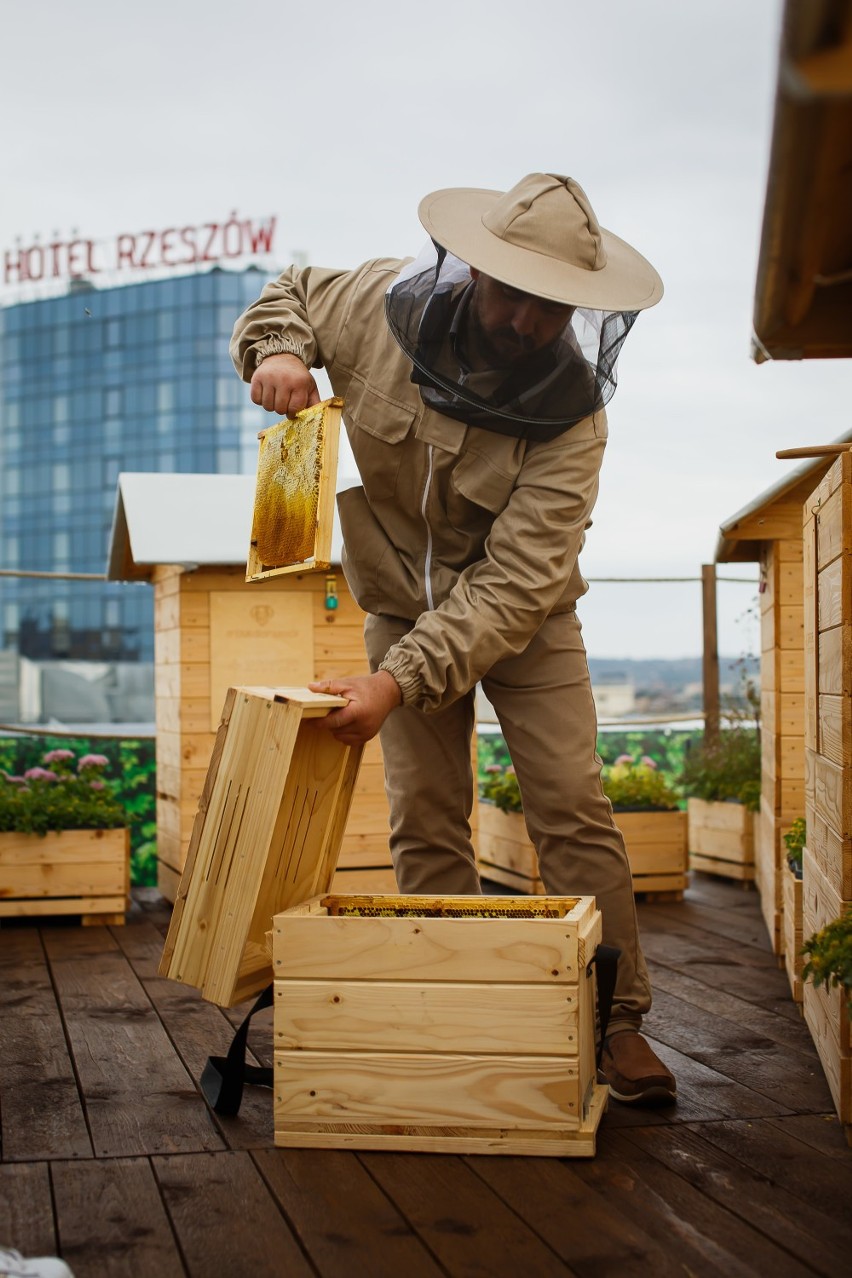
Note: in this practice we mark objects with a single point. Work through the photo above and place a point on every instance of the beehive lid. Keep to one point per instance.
(266, 837)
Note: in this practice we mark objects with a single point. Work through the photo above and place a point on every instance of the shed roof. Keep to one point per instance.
(803, 294)
(190, 520)
(775, 513)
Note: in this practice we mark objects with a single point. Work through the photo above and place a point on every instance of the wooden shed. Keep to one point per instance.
(769, 531)
(188, 535)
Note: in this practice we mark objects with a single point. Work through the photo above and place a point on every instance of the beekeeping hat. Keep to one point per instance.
(542, 237)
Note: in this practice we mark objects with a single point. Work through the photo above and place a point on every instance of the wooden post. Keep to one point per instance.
(711, 654)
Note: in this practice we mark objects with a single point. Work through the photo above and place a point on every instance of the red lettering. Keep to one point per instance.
(125, 251)
(206, 256)
(34, 258)
(149, 237)
(13, 264)
(76, 264)
(90, 257)
(166, 246)
(262, 237)
(187, 237)
(55, 251)
(232, 237)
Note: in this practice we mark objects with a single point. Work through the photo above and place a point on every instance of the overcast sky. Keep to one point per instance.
(338, 117)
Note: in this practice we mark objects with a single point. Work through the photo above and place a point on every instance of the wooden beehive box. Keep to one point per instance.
(455, 1024)
(266, 835)
(827, 857)
(721, 839)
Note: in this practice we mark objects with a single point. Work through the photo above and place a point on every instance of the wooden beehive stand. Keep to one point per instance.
(827, 857)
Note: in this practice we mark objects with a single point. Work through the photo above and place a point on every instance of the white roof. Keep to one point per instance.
(191, 520)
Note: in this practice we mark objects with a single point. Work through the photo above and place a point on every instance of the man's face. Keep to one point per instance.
(511, 325)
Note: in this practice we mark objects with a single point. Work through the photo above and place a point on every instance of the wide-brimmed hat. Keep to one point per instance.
(542, 237)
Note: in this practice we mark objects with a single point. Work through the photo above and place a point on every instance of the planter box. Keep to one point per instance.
(655, 841)
(792, 923)
(85, 872)
(721, 839)
(454, 1024)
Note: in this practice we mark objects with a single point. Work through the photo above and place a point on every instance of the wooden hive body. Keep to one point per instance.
(827, 856)
(453, 1024)
(267, 835)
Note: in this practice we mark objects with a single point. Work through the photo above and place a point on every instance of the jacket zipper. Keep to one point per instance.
(428, 564)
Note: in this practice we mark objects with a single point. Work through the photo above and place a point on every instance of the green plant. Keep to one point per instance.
(64, 792)
(829, 956)
(499, 785)
(637, 785)
(725, 769)
(795, 841)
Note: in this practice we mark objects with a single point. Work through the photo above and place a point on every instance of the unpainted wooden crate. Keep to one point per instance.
(721, 839)
(454, 1024)
(266, 835)
(655, 843)
(85, 872)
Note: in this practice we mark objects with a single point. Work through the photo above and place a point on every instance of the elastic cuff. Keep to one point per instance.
(278, 346)
(409, 685)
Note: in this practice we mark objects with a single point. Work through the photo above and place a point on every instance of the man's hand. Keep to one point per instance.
(284, 386)
(371, 699)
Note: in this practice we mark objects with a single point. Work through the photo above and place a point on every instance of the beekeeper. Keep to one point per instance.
(475, 379)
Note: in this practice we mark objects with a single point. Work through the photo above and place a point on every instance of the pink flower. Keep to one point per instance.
(624, 758)
(40, 774)
(97, 785)
(494, 767)
(14, 780)
(92, 761)
(57, 756)
(510, 771)
(648, 761)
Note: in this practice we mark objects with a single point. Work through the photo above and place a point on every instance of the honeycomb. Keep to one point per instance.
(288, 484)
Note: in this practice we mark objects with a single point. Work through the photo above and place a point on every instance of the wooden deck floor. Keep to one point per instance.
(111, 1159)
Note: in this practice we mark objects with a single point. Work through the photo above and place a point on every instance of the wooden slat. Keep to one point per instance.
(129, 1232)
(119, 1047)
(26, 1209)
(403, 1016)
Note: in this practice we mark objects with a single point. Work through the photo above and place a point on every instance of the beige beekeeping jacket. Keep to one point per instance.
(472, 535)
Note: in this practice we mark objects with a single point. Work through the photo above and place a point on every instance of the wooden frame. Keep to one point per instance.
(266, 836)
(294, 497)
(85, 872)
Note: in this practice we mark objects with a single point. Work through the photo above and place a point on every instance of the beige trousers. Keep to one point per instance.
(543, 700)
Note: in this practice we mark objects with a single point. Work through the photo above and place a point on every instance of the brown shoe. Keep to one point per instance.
(634, 1072)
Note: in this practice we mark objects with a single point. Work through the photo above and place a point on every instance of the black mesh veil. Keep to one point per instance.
(427, 310)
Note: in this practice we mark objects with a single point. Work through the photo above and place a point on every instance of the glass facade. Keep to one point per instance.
(135, 378)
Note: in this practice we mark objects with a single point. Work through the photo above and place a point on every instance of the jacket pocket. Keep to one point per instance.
(377, 427)
(475, 480)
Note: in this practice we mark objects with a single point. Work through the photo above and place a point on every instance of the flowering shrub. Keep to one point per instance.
(65, 793)
(628, 784)
(636, 785)
(829, 954)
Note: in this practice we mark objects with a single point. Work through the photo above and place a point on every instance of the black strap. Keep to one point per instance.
(605, 959)
(223, 1076)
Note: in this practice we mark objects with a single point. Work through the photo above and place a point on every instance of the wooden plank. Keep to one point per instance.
(835, 604)
(26, 1209)
(831, 853)
(118, 1047)
(792, 916)
(319, 946)
(359, 879)
(42, 1115)
(225, 1218)
(468, 1227)
(403, 1016)
(339, 1231)
(129, 1232)
(756, 1200)
(835, 714)
(829, 790)
(835, 660)
(833, 526)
